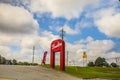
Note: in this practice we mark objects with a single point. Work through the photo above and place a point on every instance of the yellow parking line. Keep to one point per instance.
(5, 79)
(53, 76)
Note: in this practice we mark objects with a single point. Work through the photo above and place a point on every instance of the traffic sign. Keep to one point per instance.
(84, 55)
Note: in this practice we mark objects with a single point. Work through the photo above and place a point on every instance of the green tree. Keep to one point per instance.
(20, 63)
(91, 64)
(114, 64)
(106, 64)
(0, 59)
(26, 63)
(101, 62)
(3, 60)
(14, 62)
(34, 64)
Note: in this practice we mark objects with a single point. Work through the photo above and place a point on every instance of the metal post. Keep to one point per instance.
(83, 62)
(33, 55)
(67, 58)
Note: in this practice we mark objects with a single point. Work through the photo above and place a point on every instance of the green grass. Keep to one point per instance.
(92, 72)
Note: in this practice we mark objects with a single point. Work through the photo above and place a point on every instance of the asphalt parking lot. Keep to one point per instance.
(16, 72)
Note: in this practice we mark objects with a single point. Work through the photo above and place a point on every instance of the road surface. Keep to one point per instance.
(16, 72)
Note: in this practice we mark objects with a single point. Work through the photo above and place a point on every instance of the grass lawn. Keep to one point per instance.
(92, 72)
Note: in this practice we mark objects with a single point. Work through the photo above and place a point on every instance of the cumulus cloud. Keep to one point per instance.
(110, 25)
(15, 19)
(5, 51)
(46, 38)
(68, 30)
(18, 28)
(19, 32)
(100, 45)
(93, 48)
(23, 46)
(59, 8)
(107, 21)
(24, 3)
(6, 1)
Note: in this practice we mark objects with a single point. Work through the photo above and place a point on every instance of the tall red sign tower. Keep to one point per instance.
(58, 46)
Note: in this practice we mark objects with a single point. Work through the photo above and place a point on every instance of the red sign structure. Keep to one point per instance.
(44, 57)
(58, 46)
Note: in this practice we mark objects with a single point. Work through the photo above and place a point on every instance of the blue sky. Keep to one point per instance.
(91, 26)
(46, 21)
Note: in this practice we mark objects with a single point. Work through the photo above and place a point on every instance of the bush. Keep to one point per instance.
(101, 62)
(106, 64)
(114, 64)
(91, 64)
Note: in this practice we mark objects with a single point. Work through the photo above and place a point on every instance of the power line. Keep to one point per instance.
(113, 58)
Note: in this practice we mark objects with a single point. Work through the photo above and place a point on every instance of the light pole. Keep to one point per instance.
(33, 54)
(67, 57)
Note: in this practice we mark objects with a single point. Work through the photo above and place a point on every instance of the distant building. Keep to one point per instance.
(8, 62)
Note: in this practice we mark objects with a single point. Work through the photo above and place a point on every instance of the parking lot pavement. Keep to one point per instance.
(16, 72)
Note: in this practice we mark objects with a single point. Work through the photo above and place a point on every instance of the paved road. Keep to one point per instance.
(32, 73)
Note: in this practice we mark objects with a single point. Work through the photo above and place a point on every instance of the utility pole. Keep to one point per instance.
(33, 55)
(62, 33)
(67, 58)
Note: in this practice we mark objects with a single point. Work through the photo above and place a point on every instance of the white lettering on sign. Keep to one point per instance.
(57, 45)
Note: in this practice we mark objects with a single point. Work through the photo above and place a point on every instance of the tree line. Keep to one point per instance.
(101, 62)
(5, 61)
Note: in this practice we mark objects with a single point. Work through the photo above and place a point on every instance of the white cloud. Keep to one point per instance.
(5, 51)
(83, 24)
(93, 48)
(67, 29)
(110, 25)
(25, 46)
(17, 20)
(6, 1)
(59, 8)
(107, 21)
(18, 29)
(17, 2)
(100, 45)
(106, 17)
(46, 39)
(113, 55)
